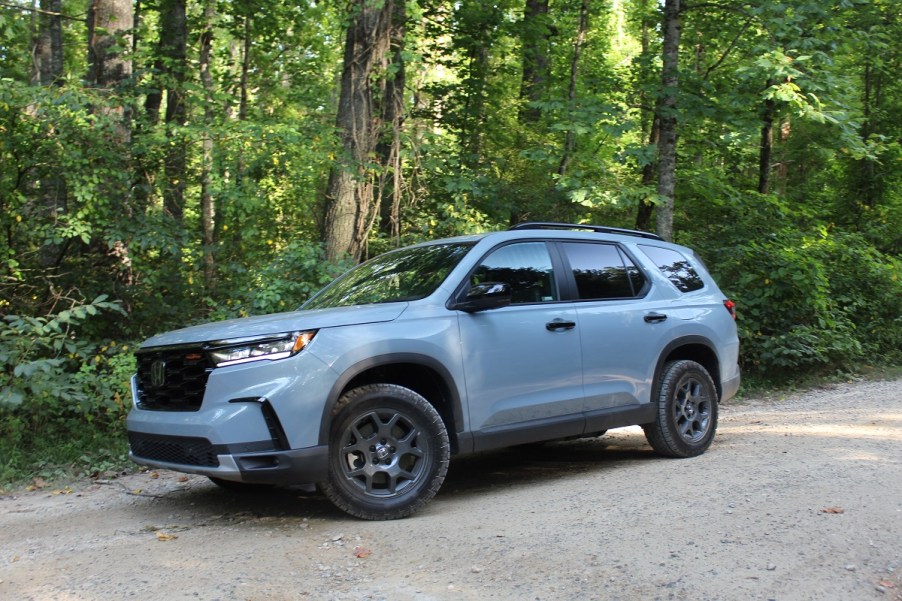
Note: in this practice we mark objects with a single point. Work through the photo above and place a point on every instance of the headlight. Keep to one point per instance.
(259, 348)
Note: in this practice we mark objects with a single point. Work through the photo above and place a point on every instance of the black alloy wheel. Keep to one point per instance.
(389, 452)
(687, 411)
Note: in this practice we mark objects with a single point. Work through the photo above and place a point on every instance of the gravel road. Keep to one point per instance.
(799, 498)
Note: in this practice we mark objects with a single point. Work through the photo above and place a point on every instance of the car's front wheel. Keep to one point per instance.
(686, 411)
(388, 452)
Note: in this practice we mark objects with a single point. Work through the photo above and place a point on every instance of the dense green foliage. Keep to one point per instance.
(507, 116)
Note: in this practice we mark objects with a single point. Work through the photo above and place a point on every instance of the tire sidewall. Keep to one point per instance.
(675, 375)
(423, 416)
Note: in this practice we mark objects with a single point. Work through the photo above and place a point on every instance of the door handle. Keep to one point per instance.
(560, 324)
(655, 317)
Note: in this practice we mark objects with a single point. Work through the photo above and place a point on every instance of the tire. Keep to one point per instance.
(687, 411)
(388, 452)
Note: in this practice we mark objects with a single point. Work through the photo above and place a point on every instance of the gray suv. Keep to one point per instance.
(541, 332)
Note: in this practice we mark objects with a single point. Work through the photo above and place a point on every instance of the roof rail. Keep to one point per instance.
(601, 229)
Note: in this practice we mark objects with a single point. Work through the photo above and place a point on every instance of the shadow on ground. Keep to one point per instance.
(515, 467)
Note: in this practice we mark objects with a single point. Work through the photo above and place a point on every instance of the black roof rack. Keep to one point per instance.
(602, 229)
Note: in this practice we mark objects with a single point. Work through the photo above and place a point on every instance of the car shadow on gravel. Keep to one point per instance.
(520, 466)
(525, 465)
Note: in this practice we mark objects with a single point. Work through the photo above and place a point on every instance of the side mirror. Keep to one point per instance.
(481, 297)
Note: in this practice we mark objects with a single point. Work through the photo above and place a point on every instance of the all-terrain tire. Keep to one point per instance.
(686, 411)
(388, 452)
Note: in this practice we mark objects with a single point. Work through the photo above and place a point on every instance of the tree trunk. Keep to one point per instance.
(207, 205)
(866, 168)
(47, 53)
(349, 196)
(646, 207)
(50, 187)
(570, 138)
(535, 39)
(109, 23)
(389, 147)
(245, 70)
(651, 125)
(667, 117)
(170, 66)
(768, 112)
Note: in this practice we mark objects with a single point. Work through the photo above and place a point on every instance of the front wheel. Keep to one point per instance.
(687, 411)
(388, 452)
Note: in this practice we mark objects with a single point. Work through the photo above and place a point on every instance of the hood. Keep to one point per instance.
(277, 323)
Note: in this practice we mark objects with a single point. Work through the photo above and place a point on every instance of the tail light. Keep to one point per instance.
(731, 307)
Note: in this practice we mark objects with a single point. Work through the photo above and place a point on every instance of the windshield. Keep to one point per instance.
(403, 275)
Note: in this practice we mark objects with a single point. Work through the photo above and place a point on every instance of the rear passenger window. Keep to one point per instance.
(602, 271)
(675, 266)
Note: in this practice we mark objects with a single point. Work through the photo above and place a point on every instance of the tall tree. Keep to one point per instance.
(389, 146)
(651, 123)
(349, 195)
(47, 53)
(110, 24)
(208, 208)
(578, 43)
(535, 37)
(667, 118)
(170, 68)
(768, 114)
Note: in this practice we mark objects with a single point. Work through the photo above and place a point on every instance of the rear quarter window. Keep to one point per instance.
(675, 266)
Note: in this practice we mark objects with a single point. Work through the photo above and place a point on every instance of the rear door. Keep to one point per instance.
(622, 330)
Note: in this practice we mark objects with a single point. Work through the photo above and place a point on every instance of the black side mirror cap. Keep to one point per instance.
(485, 296)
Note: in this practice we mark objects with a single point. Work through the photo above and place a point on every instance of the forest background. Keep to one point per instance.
(166, 162)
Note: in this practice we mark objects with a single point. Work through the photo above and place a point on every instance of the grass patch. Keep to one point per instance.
(59, 455)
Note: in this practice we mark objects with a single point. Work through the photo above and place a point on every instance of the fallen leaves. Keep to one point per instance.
(36, 484)
(165, 536)
(833, 510)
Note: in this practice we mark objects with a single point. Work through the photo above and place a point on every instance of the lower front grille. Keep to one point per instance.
(180, 450)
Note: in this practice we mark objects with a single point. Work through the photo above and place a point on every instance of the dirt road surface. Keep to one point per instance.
(799, 498)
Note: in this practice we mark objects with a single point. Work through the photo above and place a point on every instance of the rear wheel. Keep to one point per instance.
(388, 452)
(687, 411)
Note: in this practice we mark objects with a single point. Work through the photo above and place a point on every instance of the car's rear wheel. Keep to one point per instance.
(686, 411)
(388, 452)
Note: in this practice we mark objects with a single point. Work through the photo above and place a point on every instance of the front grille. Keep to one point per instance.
(172, 379)
(181, 450)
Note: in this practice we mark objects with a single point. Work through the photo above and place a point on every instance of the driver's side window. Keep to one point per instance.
(524, 266)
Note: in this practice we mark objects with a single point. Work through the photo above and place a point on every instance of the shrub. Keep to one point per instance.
(62, 397)
(812, 301)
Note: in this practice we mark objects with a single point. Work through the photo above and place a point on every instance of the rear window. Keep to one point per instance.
(601, 271)
(675, 266)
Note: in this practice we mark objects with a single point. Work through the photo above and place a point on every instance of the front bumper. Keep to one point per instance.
(197, 456)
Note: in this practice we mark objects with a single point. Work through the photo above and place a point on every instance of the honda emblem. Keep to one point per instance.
(158, 373)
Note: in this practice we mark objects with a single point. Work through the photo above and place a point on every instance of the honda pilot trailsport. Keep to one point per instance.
(542, 332)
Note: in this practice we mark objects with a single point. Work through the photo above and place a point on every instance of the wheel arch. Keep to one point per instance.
(422, 374)
(694, 348)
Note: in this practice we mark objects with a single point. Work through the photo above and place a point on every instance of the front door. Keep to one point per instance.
(522, 362)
